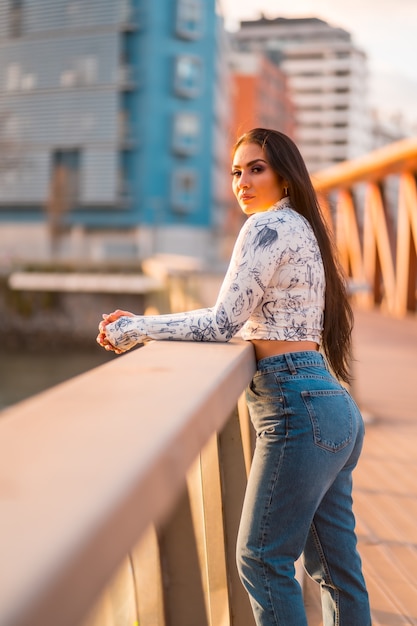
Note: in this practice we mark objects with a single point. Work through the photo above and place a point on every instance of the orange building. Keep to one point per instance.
(259, 95)
(259, 98)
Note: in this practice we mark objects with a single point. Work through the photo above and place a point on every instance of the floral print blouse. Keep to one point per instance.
(274, 288)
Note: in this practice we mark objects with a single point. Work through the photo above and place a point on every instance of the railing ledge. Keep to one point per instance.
(87, 465)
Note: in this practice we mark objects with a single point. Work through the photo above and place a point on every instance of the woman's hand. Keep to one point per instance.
(108, 318)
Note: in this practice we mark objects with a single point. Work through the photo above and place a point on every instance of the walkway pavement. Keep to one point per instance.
(385, 491)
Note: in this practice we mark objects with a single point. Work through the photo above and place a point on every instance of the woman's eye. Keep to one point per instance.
(235, 173)
(257, 169)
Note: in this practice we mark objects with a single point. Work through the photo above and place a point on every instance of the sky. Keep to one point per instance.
(385, 29)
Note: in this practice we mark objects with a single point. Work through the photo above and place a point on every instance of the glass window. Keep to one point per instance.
(13, 76)
(28, 81)
(83, 72)
(126, 11)
(189, 23)
(87, 69)
(16, 18)
(186, 133)
(188, 76)
(124, 129)
(68, 78)
(184, 190)
(66, 167)
(10, 126)
(17, 79)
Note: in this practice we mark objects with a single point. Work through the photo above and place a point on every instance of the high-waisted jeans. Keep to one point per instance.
(309, 435)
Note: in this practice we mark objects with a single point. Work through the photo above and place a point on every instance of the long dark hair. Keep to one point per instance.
(285, 159)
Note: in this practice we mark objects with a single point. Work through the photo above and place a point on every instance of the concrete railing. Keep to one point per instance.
(137, 467)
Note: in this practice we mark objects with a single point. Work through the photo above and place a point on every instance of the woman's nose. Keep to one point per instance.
(243, 182)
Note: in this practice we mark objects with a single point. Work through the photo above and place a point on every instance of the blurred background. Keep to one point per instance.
(116, 122)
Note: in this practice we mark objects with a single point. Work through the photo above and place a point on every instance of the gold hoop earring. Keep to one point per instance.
(286, 191)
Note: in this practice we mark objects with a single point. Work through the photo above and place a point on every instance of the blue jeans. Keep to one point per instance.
(309, 435)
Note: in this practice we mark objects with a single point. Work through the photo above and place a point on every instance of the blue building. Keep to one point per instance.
(113, 126)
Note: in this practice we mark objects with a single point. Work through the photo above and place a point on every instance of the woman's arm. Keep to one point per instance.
(123, 330)
(252, 264)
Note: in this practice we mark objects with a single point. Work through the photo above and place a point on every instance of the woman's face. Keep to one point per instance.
(256, 186)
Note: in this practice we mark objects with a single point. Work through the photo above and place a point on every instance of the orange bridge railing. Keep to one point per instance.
(371, 204)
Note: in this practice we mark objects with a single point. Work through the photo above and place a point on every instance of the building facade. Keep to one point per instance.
(260, 95)
(109, 114)
(259, 98)
(328, 82)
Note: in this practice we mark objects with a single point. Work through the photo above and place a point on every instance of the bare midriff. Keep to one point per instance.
(265, 348)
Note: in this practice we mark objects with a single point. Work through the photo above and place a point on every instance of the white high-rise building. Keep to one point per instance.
(328, 82)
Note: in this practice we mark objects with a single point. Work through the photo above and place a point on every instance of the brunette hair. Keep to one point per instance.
(285, 159)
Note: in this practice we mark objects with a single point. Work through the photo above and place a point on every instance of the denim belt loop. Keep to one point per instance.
(290, 363)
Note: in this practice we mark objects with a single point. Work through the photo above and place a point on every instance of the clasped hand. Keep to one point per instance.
(108, 318)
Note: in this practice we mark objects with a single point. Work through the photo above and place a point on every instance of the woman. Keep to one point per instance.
(284, 292)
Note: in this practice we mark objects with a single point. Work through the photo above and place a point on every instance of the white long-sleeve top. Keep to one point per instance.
(274, 288)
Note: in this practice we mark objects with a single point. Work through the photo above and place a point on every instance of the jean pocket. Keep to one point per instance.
(265, 387)
(331, 418)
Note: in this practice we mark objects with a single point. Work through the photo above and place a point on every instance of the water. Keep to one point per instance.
(23, 374)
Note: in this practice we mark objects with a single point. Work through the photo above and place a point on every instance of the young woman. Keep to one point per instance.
(284, 292)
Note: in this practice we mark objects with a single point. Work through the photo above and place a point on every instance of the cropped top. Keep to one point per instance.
(274, 288)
